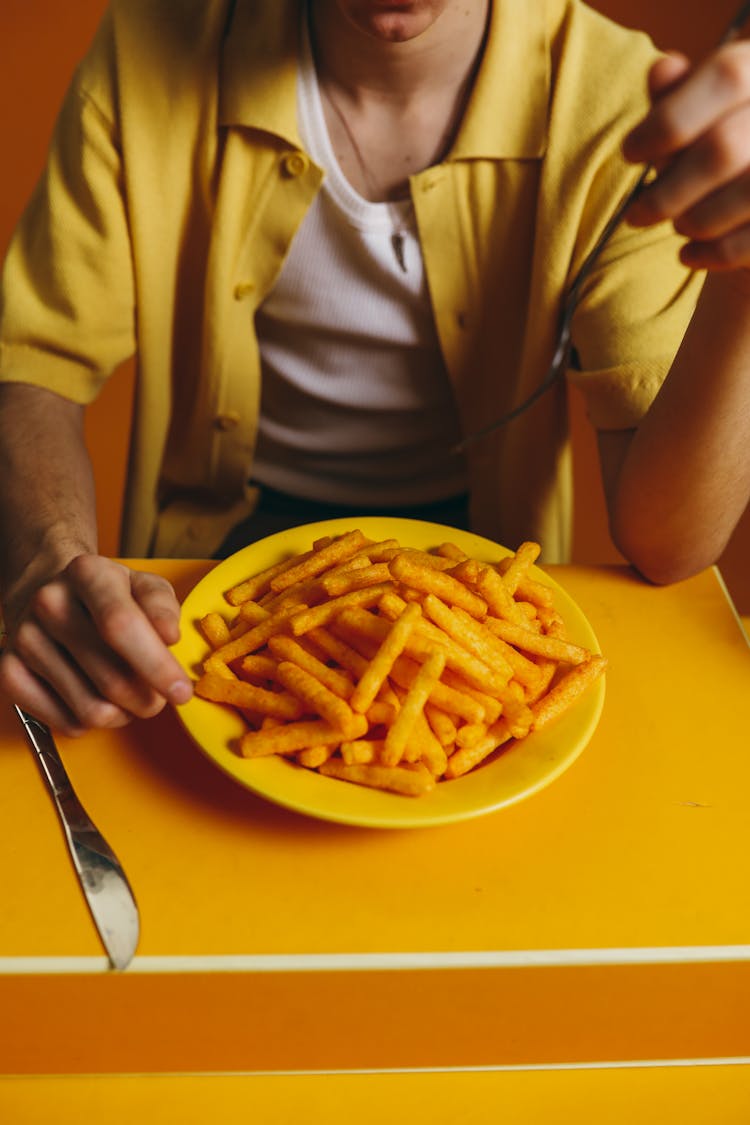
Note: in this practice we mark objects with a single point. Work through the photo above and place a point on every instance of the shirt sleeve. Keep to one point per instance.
(67, 292)
(633, 313)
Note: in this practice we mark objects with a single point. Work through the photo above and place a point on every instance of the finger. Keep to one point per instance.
(716, 87)
(713, 161)
(664, 75)
(106, 593)
(50, 664)
(23, 688)
(60, 615)
(667, 73)
(719, 213)
(727, 253)
(159, 602)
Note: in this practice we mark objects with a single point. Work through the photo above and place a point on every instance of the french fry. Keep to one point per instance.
(441, 724)
(552, 648)
(380, 666)
(490, 586)
(450, 551)
(481, 674)
(470, 734)
(316, 697)
(347, 657)
(434, 562)
(323, 614)
(517, 568)
(467, 758)
(314, 756)
(288, 648)
(471, 637)
(348, 580)
(362, 751)
(429, 581)
(255, 587)
(313, 590)
(487, 708)
(360, 561)
(529, 590)
(238, 693)
(410, 783)
(428, 747)
(382, 551)
(530, 614)
(516, 713)
(215, 630)
(521, 667)
(216, 666)
(303, 594)
(417, 696)
(547, 669)
(566, 691)
(392, 605)
(444, 696)
(257, 636)
(381, 713)
(475, 672)
(294, 736)
(255, 667)
(252, 614)
(318, 561)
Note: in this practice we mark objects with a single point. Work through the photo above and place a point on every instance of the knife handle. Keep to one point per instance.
(76, 822)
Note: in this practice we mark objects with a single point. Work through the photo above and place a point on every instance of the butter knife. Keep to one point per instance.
(103, 881)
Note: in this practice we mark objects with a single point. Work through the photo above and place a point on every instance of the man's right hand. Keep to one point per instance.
(88, 648)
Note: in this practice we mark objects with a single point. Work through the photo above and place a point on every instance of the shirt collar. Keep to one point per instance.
(507, 113)
(258, 85)
(508, 110)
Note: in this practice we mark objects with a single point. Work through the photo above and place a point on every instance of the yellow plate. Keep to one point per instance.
(522, 769)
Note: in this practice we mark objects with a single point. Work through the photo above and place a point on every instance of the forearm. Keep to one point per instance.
(684, 480)
(47, 507)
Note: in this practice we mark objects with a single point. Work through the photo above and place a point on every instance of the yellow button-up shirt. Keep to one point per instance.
(177, 179)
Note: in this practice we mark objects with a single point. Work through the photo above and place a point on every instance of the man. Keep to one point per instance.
(472, 154)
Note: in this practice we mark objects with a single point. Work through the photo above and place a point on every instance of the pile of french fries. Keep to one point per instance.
(392, 667)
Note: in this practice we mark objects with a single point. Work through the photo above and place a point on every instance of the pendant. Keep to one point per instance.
(397, 242)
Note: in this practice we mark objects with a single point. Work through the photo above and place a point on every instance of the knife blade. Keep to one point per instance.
(103, 881)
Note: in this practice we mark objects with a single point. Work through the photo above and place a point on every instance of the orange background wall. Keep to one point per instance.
(40, 42)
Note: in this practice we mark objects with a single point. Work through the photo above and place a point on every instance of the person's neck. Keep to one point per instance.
(368, 68)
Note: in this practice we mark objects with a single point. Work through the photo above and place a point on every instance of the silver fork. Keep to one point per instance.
(562, 345)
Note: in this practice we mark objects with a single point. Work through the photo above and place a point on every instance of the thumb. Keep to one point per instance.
(667, 73)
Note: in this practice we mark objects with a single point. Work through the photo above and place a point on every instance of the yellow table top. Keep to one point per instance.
(633, 857)
(704, 1095)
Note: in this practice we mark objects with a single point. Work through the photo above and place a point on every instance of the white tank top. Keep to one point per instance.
(357, 407)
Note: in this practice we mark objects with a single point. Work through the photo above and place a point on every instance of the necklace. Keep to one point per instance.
(398, 235)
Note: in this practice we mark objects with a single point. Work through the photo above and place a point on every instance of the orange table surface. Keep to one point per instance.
(603, 921)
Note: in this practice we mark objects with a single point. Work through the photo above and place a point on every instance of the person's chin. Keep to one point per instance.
(393, 21)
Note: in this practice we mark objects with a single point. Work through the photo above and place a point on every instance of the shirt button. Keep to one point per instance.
(227, 421)
(243, 289)
(294, 163)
